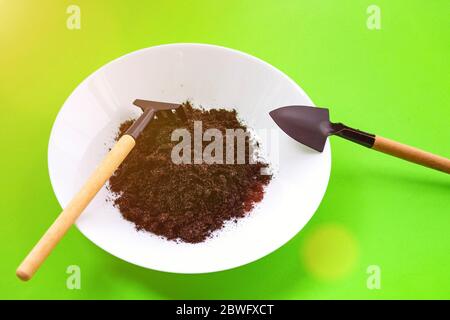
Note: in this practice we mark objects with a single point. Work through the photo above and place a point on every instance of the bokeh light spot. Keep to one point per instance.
(330, 252)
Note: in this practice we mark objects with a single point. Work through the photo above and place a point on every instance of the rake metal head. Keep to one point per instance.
(149, 109)
(155, 105)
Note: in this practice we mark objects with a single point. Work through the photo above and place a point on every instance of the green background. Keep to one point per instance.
(394, 82)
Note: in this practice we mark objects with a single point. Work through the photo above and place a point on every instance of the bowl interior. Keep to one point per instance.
(209, 76)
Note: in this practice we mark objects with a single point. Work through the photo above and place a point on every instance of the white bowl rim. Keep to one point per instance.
(182, 44)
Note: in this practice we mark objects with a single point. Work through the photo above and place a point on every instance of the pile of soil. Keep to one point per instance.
(185, 202)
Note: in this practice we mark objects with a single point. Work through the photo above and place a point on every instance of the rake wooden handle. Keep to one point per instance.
(411, 154)
(79, 202)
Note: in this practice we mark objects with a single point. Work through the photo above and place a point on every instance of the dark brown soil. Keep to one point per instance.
(185, 202)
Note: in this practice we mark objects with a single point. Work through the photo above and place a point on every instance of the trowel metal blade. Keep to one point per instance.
(308, 125)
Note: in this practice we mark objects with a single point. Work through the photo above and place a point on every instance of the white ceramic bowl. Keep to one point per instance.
(210, 76)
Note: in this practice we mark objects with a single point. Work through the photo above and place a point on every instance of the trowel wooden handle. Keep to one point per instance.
(75, 207)
(411, 154)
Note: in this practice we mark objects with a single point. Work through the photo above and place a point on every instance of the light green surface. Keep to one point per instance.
(394, 82)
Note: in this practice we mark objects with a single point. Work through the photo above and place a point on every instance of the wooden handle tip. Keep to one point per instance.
(23, 275)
